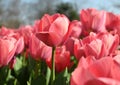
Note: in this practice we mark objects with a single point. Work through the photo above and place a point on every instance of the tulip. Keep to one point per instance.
(78, 49)
(110, 41)
(92, 20)
(70, 45)
(26, 32)
(8, 46)
(13, 33)
(112, 21)
(98, 45)
(76, 27)
(6, 31)
(96, 72)
(53, 30)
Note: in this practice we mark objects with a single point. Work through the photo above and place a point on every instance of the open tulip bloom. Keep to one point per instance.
(57, 51)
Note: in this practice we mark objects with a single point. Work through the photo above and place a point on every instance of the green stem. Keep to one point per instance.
(53, 67)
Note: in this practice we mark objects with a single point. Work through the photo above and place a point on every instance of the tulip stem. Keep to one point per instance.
(53, 67)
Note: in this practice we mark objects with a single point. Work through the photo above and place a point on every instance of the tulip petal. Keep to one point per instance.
(49, 38)
(109, 81)
(102, 67)
(60, 26)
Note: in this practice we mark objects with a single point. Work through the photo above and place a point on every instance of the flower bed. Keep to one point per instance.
(57, 51)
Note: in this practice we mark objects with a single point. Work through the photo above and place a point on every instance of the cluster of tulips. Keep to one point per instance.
(87, 49)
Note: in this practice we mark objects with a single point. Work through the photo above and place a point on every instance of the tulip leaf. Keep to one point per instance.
(48, 76)
(3, 74)
(62, 78)
(18, 65)
(40, 80)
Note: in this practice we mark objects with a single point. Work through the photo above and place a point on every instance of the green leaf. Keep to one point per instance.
(63, 78)
(3, 74)
(40, 80)
(48, 76)
(31, 64)
(13, 82)
(18, 65)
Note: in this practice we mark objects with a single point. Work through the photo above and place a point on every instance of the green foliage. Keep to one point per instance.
(63, 78)
(28, 71)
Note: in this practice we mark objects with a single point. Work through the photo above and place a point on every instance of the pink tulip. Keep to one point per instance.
(70, 45)
(78, 49)
(98, 23)
(110, 41)
(76, 27)
(112, 21)
(62, 59)
(8, 46)
(92, 20)
(53, 30)
(98, 45)
(95, 48)
(13, 33)
(96, 72)
(116, 67)
(7, 31)
(89, 46)
(26, 32)
(38, 49)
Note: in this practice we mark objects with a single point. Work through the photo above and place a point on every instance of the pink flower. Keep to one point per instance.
(26, 32)
(98, 45)
(53, 30)
(92, 20)
(38, 49)
(76, 27)
(7, 31)
(96, 72)
(110, 41)
(13, 33)
(95, 48)
(78, 49)
(62, 59)
(70, 45)
(112, 21)
(8, 46)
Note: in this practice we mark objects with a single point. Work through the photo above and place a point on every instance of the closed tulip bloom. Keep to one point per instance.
(26, 32)
(8, 46)
(76, 27)
(53, 30)
(92, 20)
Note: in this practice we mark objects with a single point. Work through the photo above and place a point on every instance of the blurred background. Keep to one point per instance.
(14, 13)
